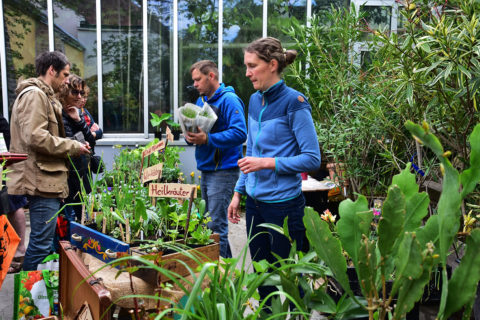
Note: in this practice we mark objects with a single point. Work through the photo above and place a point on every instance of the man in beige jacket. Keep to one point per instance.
(37, 130)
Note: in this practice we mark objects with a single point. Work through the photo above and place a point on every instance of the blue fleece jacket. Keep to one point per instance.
(280, 126)
(224, 146)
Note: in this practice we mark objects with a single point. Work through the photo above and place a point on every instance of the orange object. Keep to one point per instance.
(9, 241)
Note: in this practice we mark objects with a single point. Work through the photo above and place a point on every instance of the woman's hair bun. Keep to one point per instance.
(290, 56)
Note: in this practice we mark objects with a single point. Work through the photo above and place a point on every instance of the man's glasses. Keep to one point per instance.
(75, 92)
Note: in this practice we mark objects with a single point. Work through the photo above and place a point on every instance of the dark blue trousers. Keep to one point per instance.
(265, 240)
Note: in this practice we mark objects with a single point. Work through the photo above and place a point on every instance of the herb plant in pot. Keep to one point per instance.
(159, 123)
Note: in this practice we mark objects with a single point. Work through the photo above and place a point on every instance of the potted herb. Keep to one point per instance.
(159, 123)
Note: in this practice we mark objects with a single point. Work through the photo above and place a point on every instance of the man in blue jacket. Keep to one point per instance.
(218, 151)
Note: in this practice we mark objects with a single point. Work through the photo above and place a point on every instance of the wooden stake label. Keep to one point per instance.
(169, 134)
(152, 173)
(157, 147)
(171, 190)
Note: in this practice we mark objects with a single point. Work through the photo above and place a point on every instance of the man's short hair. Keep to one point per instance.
(56, 59)
(205, 67)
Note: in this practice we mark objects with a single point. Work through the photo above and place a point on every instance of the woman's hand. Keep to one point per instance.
(94, 127)
(72, 112)
(252, 164)
(234, 209)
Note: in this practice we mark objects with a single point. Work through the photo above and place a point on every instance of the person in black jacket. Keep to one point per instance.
(76, 128)
(16, 214)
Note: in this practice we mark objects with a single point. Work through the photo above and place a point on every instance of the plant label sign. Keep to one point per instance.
(152, 173)
(169, 134)
(171, 190)
(157, 147)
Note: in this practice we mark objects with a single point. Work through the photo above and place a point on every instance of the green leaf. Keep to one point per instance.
(470, 177)
(328, 247)
(416, 203)
(354, 221)
(408, 261)
(450, 199)
(427, 138)
(429, 232)
(391, 222)
(462, 287)
(412, 290)
(367, 267)
(140, 210)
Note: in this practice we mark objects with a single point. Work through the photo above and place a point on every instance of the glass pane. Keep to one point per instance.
(242, 23)
(377, 18)
(160, 61)
(75, 35)
(281, 14)
(122, 49)
(26, 36)
(197, 40)
(324, 5)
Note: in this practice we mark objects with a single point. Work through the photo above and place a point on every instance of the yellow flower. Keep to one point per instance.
(199, 177)
(198, 187)
(192, 174)
(328, 216)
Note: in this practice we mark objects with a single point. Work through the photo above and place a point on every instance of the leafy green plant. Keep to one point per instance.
(157, 121)
(401, 249)
(189, 113)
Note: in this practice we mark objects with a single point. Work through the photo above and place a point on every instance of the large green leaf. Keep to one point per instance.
(408, 260)
(416, 203)
(367, 267)
(470, 177)
(328, 247)
(354, 222)
(411, 290)
(391, 222)
(462, 287)
(416, 209)
(429, 232)
(450, 200)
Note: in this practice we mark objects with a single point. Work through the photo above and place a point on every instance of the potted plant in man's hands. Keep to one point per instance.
(159, 123)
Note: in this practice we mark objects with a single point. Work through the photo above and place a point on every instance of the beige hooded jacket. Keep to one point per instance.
(37, 129)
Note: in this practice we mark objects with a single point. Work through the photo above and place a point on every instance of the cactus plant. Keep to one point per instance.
(400, 249)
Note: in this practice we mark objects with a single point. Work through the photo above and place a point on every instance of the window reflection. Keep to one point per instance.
(281, 15)
(325, 5)
(122, 50)
(160, 59)
(376, 18)
(26, 36)
(75, 35)
(242, 23)
(197, 40)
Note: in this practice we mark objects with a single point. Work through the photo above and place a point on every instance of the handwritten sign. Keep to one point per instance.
(169, 135)
(152, 173)
(157, 147)
(171, 190)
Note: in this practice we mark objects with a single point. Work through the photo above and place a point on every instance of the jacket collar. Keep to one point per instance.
(274, 90)
(215, 95)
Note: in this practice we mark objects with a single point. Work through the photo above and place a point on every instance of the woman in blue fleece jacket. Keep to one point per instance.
(281, 144)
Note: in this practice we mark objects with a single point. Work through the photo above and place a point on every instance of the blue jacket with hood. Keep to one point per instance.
(280, 126)
(225, 139)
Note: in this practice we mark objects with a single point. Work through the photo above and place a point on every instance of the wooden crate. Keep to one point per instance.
(173, 261)
(107, 249)
(72, 273)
